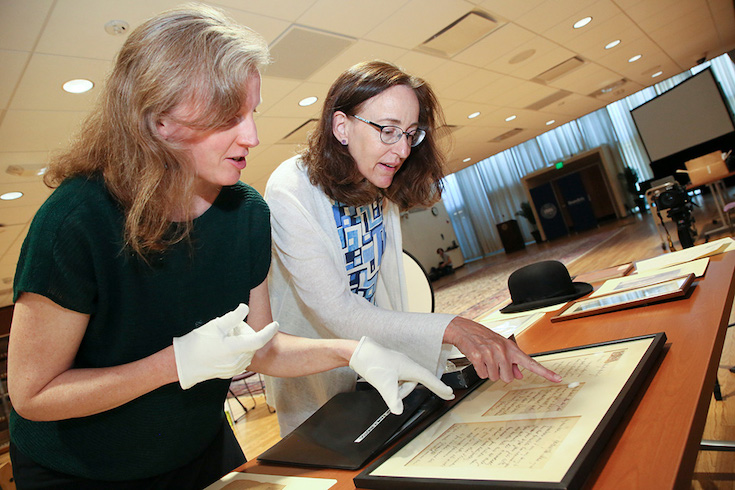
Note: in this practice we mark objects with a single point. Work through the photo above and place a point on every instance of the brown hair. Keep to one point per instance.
(192, 54)
(330, 165)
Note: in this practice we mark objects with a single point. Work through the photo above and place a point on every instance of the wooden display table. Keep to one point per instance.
(656, 443)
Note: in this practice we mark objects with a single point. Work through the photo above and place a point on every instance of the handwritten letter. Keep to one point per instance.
(522, 444)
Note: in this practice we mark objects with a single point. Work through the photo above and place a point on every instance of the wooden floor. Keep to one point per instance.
(257, 430)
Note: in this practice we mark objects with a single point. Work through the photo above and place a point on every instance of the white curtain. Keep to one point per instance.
(724, 71)
(490, 192)
(629, 141)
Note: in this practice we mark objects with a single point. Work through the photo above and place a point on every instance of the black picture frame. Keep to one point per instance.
(627, 298)
(581, 465)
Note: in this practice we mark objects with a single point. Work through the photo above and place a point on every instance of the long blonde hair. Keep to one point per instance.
(193, 54)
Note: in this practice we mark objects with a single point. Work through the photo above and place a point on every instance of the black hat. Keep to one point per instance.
(542, 284)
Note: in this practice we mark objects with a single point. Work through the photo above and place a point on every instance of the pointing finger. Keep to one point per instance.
(535, 367)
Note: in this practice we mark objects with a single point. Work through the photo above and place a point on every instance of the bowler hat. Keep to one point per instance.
(542, 284)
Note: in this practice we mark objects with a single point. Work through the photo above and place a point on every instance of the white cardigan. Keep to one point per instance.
(311, 297)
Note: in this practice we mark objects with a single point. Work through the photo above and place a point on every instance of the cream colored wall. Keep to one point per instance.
(423, 233)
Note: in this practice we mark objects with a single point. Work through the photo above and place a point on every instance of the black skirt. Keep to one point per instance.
(222, 456)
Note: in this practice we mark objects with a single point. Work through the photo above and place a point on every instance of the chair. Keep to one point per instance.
(727, 210)
(712, 445)
(237, 392)
(420, 291)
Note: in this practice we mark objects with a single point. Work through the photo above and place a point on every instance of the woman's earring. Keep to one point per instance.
(344, 142)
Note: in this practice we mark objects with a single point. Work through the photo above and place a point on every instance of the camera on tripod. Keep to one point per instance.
(675, 200)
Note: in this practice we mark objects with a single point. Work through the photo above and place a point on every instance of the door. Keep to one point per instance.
(578, 202)
(547, 208)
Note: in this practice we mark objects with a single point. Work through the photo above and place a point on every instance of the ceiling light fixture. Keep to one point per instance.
(549, 123)
(612, 44)
(78, 86)
(635, 58)
(466, 160)
(582, 22)
(657, 74)
(26, 170)
(117, 27)
(510, 118)
(473, 115)
(307, 101)
(9, 196)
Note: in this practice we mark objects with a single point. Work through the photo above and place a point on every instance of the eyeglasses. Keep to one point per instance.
(392, 134)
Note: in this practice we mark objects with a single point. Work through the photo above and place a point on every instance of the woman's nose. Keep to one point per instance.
(247, 133)
(402, 147)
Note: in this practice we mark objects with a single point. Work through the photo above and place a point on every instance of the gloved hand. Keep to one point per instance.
(221, 348)
(393, 374)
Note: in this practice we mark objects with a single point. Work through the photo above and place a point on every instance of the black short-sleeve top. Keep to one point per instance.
(74, 254)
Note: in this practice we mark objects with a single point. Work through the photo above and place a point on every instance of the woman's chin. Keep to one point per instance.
(382, 182)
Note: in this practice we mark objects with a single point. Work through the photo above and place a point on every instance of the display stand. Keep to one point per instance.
(510, 235)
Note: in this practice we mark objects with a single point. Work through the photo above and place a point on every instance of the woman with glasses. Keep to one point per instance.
(337, 267)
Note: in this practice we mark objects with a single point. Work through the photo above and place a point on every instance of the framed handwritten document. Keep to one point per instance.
(530, 433)
(629, 298)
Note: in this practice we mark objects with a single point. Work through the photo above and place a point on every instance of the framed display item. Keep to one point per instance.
(605, 274)
(629, 298)
(530, 433)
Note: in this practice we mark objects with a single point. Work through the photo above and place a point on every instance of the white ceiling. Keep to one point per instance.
(44, 43)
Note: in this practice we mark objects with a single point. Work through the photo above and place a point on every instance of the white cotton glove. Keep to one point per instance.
(393, 374)
(221, 348)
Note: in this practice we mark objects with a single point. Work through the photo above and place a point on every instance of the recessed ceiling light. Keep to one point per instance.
(510, 118)
(78, 86)
(549, 123)
(307, 101)
(612, 44)
(9, 196)
(473, 115)
(657, 74)
(117, 27)
(635, 58)
(466, 160)
(582, 22)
